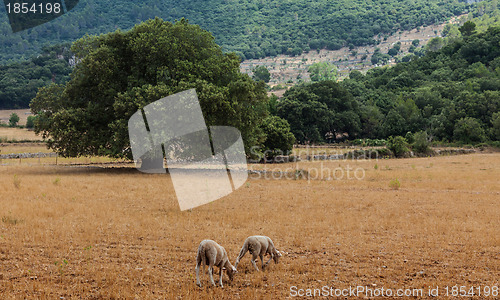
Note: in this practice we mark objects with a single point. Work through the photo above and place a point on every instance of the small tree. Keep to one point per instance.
(261, 73)
(468, 28)
(13, 120)
(279, 138)
(421, 142)
(30, 122)
(469, 130)
(322, 71)
(398, 145)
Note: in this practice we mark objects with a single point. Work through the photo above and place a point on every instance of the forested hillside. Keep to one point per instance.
(254, 28)
(484, 14)
(20, 81)
(452, 94)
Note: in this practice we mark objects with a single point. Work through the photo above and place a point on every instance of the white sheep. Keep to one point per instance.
(259, 246)
(212, 254)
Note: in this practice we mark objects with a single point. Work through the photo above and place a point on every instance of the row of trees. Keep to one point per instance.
(453, 94)
(254, 28)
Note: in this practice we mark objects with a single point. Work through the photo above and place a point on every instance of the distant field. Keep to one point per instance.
(79, 232)
(18, 134)
(22, 113)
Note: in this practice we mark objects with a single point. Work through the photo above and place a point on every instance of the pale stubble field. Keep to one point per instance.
(95, 233)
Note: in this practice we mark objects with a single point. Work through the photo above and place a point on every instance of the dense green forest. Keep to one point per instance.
(253, 28)
(484, 14)
(20, 81)
(453, 94)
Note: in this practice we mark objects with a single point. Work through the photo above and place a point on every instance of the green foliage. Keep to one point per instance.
(279, 139)
(395, 184)
(433, 92)
(395, 49)
(273, 104)
(409, 137)
(315, 110)
(255, 28)
(468, 29)
(435, 44)
(121, 72)
(495, 130)
(469, 130)
(421, 142)
(398, 145)
(379, 58)
(261, 73)
(13, 120)
(19, 82)
(30, 122)
(322, 71)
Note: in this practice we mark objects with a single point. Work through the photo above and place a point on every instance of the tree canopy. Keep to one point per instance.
(254, 28)
(452, 93)
(121, 72)
(316, 109)
(261, 73)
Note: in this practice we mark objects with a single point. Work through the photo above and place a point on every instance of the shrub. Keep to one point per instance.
(398, 145)
(13, 120)
(421, 143)
(469, 130)
(409, 137)
(30, 122)
(395, 184)
(279, 139)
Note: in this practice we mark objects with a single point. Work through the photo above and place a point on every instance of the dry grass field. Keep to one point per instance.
(22, 113)
(114, 233)
(18, 134)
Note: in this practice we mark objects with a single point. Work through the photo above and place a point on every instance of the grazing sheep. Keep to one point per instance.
(212, 254)
(259, 246)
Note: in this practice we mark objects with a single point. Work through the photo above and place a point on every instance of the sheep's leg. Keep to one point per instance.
(262, 261)
(220, 276)
(254, 258)
(198, 275)
(242, 253)
(210, 271)
(268, 260)
(199, 261)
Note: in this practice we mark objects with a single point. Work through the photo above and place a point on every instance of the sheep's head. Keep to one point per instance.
(230, 272)
(276, 256)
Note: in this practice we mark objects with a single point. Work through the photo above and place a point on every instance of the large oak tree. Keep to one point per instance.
(120, 72)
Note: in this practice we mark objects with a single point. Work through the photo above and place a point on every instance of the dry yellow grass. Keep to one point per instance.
(22, 113)
(14, 148)
(96, 233)
(18, 134)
